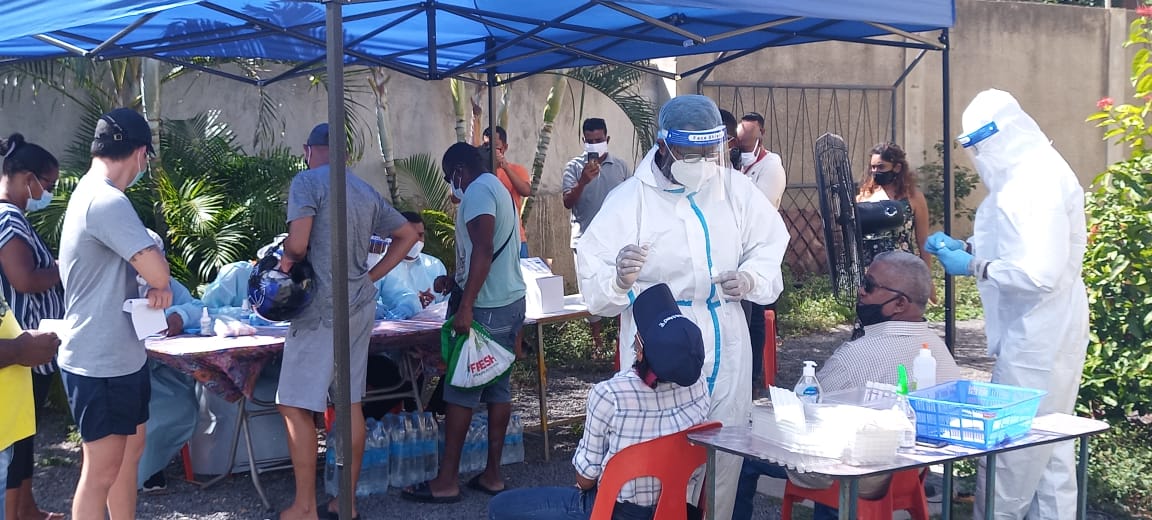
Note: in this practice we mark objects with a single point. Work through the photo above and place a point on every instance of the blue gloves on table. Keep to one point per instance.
(938, 241)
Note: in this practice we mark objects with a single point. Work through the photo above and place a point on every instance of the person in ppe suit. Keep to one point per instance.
(409, 288)
(688, 220)
(1026, 252)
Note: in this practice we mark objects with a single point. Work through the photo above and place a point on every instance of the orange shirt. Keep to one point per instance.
(517, 199)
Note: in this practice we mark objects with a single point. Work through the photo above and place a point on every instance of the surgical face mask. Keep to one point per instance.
(597, 148)
(40, 203)
(416, 249)
(140, 174)
(873, 313)
(748, 158)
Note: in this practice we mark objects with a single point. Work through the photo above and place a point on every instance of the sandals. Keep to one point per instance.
(475, 485)
(422, 492)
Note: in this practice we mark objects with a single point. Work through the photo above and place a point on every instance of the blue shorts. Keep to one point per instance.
(103, 406)
(504, 324)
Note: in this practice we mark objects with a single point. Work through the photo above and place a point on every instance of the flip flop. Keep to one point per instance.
(422, 492)
(474, 484)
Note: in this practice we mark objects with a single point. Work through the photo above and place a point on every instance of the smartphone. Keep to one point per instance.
(593, 156)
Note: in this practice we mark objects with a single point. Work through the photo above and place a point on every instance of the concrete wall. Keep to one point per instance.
(1057, 60)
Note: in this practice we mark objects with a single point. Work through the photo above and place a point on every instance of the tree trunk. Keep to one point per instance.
(150, 75)
(378, 81)
(551, 108)
(460, 104)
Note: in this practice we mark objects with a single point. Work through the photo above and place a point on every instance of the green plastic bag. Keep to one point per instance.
(473, 361)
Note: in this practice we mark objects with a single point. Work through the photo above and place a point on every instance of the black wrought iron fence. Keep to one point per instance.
(794, 116)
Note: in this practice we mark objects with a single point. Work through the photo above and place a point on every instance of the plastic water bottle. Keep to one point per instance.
(417, 448)
(205, 323)
(924, 369)
(383, 452)
(332, 463)
(431, 454)
(517, 425)
(397, 458)
(808, 387)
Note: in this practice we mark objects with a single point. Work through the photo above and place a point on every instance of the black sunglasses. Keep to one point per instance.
(869, 284)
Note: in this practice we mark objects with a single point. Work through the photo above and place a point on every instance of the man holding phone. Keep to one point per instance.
(587, 180)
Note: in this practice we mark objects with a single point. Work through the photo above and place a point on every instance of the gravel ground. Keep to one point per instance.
(58, 466)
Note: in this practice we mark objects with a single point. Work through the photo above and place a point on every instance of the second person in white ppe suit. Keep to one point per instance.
(686, 219)
(1026, 252)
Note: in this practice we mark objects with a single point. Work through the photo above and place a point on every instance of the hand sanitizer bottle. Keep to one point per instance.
(205, 323)
(808, 388)
(924, 369)
(908, 439)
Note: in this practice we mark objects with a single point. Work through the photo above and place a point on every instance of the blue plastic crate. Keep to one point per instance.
(975, 414)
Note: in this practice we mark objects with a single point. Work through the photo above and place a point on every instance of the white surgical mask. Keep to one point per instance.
(40, 203)
(457, 191)
(598, 148)
(416, 249)
(748, 158)
(693, 175)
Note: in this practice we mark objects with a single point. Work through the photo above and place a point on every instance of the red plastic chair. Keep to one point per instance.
(905, 493)
(671, 459)
(769, 348)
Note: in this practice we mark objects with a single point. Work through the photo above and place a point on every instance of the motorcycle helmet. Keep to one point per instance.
(278, 296)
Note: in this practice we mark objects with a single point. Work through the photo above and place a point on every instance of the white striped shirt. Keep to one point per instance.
(874, 356)
(29, 309)
(623, 411)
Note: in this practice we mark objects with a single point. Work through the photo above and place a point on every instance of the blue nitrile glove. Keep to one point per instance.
(938, 241)
(956, 263)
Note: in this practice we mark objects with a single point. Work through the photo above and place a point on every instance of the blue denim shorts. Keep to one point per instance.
(504, 324)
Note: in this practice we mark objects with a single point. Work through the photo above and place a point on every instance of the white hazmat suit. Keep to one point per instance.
(1028, 247)
(691, 237)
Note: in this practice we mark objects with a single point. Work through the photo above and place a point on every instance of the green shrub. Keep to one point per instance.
(1120, 471)
(931, 181)
(808, 305)
(968, 306)
(1118, 262)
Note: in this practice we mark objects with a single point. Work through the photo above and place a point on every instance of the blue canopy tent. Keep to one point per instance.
(437, 39)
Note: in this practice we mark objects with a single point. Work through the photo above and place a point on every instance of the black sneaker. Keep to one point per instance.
(156, 483)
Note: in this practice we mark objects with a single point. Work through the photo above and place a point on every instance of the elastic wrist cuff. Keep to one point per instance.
(979, 268)
(616, 287)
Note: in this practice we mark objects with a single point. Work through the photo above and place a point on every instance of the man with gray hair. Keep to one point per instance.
(890, 305)
(688, 220)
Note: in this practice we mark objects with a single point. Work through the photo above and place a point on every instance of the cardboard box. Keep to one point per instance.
(545, 293)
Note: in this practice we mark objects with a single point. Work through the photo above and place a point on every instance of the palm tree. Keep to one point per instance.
(544, 139)
(378, 82)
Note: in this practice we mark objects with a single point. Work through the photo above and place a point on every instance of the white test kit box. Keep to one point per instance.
(545, 293)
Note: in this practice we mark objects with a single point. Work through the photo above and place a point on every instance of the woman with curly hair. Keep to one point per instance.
(889, 177)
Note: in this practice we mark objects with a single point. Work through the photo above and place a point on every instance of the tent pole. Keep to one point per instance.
(492, 116)
(949, 191)
(338, 150)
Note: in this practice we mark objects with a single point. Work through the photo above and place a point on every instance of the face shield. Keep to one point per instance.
(971, 140)
(694, 156)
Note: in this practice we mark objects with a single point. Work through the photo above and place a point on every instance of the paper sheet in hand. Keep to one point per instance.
(62, 328)
(147, 321)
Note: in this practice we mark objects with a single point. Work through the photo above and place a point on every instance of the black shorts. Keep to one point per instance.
(103, 406)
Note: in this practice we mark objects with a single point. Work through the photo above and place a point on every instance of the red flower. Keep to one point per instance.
(1106, 103)
(1144, 10)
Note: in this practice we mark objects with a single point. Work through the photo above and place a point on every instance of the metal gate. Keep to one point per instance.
(794, 116)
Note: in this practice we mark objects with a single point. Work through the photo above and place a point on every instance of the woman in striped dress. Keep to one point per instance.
(30, 280)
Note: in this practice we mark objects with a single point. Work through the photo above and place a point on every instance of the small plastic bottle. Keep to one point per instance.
(924, 369)
(205, 323)
(808, 387)
(908, 439)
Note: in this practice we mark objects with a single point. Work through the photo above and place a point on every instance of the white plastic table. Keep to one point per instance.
(1045, 429)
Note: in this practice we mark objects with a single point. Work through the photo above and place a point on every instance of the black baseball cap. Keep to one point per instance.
(673, 347)
(124, 124)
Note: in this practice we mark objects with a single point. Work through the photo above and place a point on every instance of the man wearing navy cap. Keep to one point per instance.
(103, 362)
(660, 394)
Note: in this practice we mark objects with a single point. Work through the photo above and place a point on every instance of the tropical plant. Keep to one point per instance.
(964, 180)
(1118, 263)
(544, 140)
(432, 192)
(218, 204)
(378, 82)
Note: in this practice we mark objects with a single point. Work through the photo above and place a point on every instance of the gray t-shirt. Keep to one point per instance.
(101, 233)
(308, 196)
(612, 172)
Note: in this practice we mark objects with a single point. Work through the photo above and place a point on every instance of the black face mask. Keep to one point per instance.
(872, 313)
(884, 178)
(734, 158)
